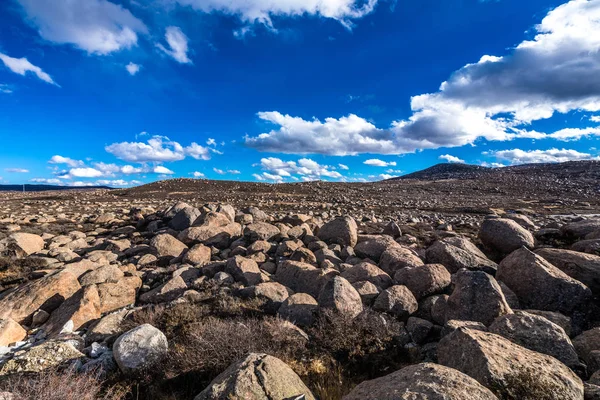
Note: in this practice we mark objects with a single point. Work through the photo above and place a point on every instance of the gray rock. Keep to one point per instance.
(140, 348)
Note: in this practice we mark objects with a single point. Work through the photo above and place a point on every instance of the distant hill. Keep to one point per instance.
(45, 188)
(570, 169)
(447, 171)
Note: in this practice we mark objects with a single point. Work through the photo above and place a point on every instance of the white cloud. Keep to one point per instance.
(157, 149)
(304, 167)
(211, 142)
(379, 163)
(85, 172)
(178, 45)
(492, 165)
(393, 171)
(219, 171)
(344, 167)
(451, 159)
(132, 68)
(595, 118)
(345, 136)
(21, 66)
(233, 172)
(95, 26)
(159, 169)
(385, 176)
(198, 174)
(5, 89)
(17, 170)
(495, 98)
(518, 156)
(65, 160)
(261, 11)
(198, 152)
(130, 169)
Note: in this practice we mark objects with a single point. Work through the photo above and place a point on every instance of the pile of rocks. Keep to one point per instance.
(512, 318)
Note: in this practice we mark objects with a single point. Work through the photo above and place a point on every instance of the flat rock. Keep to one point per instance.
(257, 377)
(509, 370)
(425, 381)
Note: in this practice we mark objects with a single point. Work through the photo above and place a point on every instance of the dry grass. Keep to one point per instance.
(59, 385)
(15, 271)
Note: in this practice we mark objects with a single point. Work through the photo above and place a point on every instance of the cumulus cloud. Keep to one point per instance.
(518, 156)
(157, 149)
(65, 160)
(344, 167)
(130, 169)
(132, 68)
(178, 45)
(21, 66)
(95, 26)
(305, 168)
(219, 171)
(198, 174)
(451, 159)
(17, 170)
(159, 169)
(595, 118)
(85, 172)
(261, 11)
(495, 98)
(379, 163)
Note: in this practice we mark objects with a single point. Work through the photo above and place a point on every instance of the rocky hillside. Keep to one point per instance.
(138, 295)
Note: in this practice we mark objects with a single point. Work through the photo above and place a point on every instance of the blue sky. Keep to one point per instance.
(125, 92)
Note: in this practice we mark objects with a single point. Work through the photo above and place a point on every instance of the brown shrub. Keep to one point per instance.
(371, 341)
(59, 385)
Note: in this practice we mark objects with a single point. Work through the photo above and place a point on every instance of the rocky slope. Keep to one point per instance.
(190, 289)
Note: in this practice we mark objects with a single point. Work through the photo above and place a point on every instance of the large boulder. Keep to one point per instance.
(424, 280)
(341, 230)
(210, 234)
(580, 229)
(455, 258)
(541, 286)
(509, 370)
(46, 293)
(21, 244)
(261, 231)
(299, 308)
(167, 246)
(538, 334)
(365, 271)
(11, 332)
(118, 295)
(396, 300)
(303, 278)
(587, 346)
(425, 381)
(139, 349)
(580, 266)
(373, 246)
(107, 273)
(168, 291)
(504, 235)
(257, 377)
(45, 356)
(244, 270)
(396, 258)
(198, 255)
(81, 308)
(339, 295)
(272, 293)
(184, 218)
(476, 297)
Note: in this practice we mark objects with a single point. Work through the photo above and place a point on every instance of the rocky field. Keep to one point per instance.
(453, 283)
